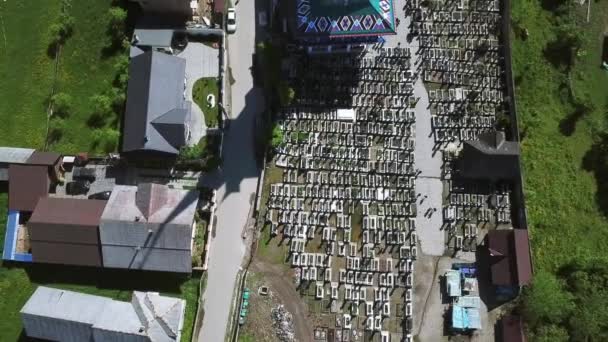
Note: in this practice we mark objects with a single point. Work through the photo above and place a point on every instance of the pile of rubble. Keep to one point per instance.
(282, 321)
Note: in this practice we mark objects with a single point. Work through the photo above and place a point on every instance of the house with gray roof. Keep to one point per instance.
(60, 315)
(490, 157)
(157, 114)
(149, 227)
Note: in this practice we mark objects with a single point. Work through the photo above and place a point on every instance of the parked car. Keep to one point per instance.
(104, 195)
(78, 187)
(84, 174)
(231, 20)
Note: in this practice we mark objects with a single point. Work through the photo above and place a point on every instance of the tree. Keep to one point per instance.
(122, 72)
(106, 138)
(550, 333)
(546, 301)
(276, 138)
(117, 18)
(102, 104)
(62, 104)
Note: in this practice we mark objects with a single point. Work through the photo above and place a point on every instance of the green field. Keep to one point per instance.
(562, 108)
(25, 71)
(85, 70)
(565, 216)
(27, 67)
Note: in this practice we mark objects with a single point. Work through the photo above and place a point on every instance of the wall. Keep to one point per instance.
(151, 259)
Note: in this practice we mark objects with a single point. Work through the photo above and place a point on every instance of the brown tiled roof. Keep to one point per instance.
(510, 264)
(28, 183)
(512, 329)
(66, 220)
(43, 158)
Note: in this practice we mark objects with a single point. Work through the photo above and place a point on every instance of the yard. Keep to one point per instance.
(25, 70)
(202, 88)
(87, 68)
(562, 103)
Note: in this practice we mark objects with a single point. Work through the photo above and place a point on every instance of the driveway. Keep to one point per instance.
(238, 177)
(201, 61)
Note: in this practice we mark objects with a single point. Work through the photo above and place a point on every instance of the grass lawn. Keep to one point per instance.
(25, 71)
(202, 88)
(85, 70)
(565, 218)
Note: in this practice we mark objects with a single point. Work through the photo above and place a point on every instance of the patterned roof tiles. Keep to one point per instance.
(340, 18)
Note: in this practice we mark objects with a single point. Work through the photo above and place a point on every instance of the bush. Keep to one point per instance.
(106, 138)
(122, 72)
(117, 18)
(203, 156)
(276, 138)
(102, 104)
(62, 104)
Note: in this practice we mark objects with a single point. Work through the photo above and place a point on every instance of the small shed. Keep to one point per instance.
(465, 318)
(512, 329)
(452, 281)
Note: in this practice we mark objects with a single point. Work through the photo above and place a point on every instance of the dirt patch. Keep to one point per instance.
(280, 282)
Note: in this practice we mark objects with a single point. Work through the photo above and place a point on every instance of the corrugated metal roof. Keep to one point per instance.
(511, 263)
(66, 253)
(523, 262)
(149, 315)
(512, 329)
(164, 205)
(44, 158)
(28, 184)
(68, 211)
(15, 155)
(452, 278)
(65, 305)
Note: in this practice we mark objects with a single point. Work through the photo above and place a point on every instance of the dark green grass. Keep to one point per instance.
(565, 218)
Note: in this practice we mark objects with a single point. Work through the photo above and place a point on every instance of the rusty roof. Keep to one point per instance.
(43, 158)
(28, 183)
(512, 329)
(511, 263)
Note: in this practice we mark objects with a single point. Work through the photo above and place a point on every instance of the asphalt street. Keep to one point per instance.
(238, 177)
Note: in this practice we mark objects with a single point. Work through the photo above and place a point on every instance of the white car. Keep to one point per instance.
(231, 20)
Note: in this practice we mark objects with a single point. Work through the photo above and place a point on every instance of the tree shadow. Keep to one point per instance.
(553, 5)
(559, 53)
(567, 126)
(596, 161)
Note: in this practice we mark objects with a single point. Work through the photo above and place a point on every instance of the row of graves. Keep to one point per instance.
(471, 209)
(462, 66)
(346, 205)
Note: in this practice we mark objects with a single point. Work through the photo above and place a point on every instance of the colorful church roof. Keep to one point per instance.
(344, 18)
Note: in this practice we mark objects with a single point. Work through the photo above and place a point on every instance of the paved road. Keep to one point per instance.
(239, 178)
